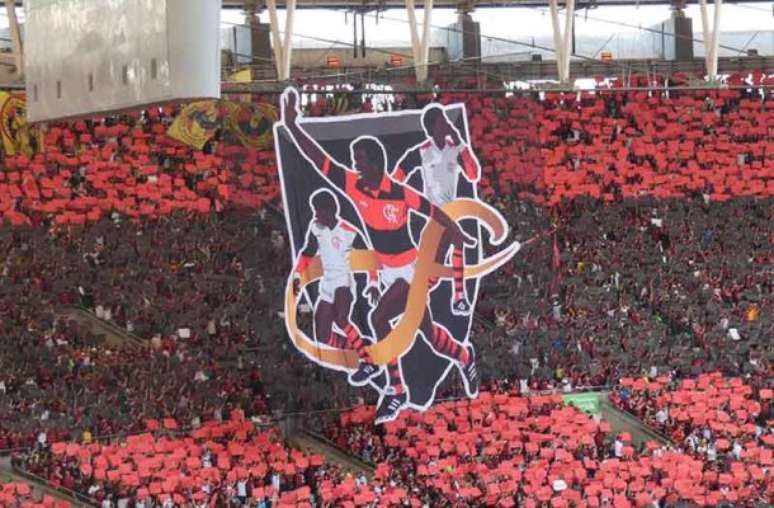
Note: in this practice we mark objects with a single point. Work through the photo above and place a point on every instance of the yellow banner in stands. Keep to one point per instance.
(250, 122)
(243, 76)
(196, 124)
(18, 136)
(402, 336)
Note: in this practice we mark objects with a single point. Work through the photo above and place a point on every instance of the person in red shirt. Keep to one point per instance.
(384, 206)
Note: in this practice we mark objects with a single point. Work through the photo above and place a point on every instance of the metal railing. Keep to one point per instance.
(129, 337)
(628, 415)
(350, 456)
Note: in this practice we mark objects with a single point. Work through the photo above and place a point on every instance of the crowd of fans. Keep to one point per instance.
(221, 463)
(108, 390)
(508, 450)
(716, 419)
(13, 494)
(186, 249)
(127, 165)
(501, 449)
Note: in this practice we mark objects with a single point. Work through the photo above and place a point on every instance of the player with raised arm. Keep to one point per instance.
(439, 160)
(384, 206)
(333, 239)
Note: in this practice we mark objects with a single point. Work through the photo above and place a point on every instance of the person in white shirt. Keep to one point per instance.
(736, 451)
(712, 454)
(440, 159)
(618, 447)
(662, 416)
(241, 491)
(333, 239)
(692, 441)
(276, 482)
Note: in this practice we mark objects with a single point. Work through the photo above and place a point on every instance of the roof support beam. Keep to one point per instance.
(16, 42)
(469, 4)
(562, 37)
(282, 43)
(420, 44)
(711, 36)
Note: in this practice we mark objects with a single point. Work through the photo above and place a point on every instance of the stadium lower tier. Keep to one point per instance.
(501, 449)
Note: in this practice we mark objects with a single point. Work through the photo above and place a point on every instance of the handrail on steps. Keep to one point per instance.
(134, 339)
(355, 458)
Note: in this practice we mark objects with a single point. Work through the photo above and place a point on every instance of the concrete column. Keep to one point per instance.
(470, 33)
(682, 27)
(260, 33)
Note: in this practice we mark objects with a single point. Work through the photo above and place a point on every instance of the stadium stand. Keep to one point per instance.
(657, 280)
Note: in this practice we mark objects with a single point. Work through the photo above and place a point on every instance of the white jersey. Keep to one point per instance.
(440, 168)
(334, 247)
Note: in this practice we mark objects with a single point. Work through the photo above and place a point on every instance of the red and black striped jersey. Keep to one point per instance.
(385, 212)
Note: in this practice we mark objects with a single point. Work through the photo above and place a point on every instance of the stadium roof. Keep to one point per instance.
(468, 4)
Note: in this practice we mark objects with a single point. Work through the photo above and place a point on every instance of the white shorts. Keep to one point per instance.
(330, 283)
(391, 274)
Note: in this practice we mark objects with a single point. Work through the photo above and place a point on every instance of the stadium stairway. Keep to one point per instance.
(113, 335)
(311, 443)
(621, 421)
(39, 486)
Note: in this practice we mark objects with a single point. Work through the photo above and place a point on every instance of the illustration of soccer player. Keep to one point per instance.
(440, 160)
(384, 206)
(333, 239)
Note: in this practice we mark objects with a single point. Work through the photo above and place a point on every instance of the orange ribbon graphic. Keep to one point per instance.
(402, 336)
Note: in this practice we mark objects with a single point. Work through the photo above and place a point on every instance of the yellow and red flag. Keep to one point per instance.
(196, 124)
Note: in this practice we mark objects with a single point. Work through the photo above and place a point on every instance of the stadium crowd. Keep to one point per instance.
(14, 494)
(508, 450)
(653, 270)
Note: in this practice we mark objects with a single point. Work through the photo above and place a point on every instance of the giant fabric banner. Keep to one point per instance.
(387, 238)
